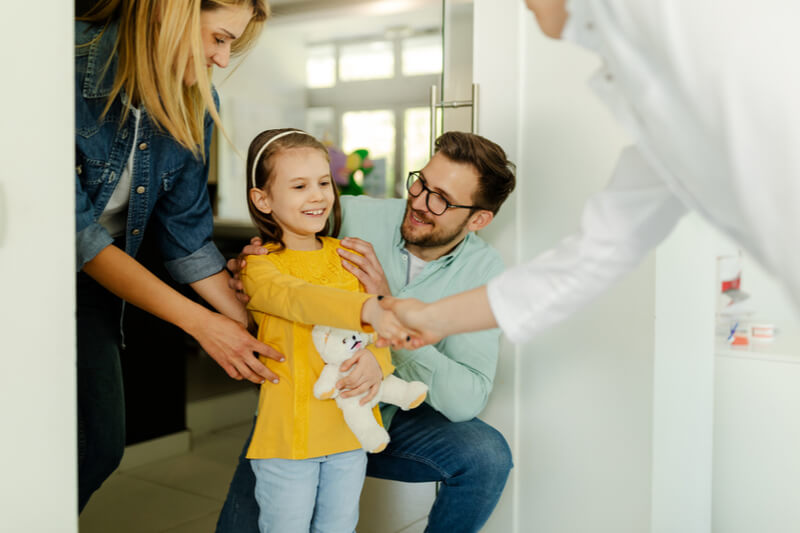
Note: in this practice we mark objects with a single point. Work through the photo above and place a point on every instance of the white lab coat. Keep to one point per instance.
(710, 91)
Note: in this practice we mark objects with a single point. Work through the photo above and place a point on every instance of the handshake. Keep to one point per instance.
(399, 322)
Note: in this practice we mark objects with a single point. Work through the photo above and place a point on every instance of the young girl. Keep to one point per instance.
(309, 467)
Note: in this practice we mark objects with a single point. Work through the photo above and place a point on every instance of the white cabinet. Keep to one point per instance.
(757, 441)
(756, 463)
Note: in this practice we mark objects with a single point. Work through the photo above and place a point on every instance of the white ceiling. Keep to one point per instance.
(320, 20)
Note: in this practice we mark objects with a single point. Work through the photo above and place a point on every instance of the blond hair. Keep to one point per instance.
(154, 37)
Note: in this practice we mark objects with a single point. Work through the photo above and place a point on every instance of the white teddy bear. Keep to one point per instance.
(335, 346)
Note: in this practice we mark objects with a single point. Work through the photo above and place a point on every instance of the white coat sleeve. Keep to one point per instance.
(619, 226)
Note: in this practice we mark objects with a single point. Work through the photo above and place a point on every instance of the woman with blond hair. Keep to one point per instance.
(145, 109)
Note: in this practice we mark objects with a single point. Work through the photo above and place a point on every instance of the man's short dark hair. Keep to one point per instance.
(496, 173)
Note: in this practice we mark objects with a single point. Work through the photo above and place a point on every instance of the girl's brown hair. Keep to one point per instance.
(269, 229)
(156, 35)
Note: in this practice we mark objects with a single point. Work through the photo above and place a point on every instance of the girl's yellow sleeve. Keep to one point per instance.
(275, 293)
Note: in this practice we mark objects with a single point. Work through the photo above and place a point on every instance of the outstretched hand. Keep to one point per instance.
(413, 315)
(459, 313)
(232, 347)
(390, 331)
(236, 265)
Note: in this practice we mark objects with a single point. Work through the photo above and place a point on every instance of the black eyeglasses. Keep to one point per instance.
(436, 203)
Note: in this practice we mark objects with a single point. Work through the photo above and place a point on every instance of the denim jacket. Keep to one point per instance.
(168, 183)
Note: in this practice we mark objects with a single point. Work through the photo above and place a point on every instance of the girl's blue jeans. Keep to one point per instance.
(470, 459)
(318, 494)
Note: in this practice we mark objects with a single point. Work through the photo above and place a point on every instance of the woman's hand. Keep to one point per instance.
(366, 377)
(236, 265)
(232, 347)
(390, 330)
(430, 323)
(415, 315)
(225, 340)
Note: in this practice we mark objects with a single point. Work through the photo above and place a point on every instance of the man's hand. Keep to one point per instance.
(365, 267)
(229, 344)
(236, 265)
(366, 377)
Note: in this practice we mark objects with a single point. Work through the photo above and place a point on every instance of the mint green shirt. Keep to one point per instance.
(459, 370)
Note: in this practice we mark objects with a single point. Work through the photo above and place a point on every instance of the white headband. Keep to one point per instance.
(264, 147)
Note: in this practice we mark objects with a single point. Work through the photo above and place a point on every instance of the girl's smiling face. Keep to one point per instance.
(299, 196)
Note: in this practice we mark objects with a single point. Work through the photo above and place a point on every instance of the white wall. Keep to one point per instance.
(38, 485)
(498, 110)
(267, 90)
(584, 393)
(683, 385)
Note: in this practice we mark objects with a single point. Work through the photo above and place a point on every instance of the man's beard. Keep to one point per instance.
(434, 238)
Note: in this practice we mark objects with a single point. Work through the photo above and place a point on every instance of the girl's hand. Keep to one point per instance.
(390, 330)
(459, 313)
(365, 377)
(416, 316)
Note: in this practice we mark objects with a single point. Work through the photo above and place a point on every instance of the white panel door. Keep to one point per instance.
(38, 485)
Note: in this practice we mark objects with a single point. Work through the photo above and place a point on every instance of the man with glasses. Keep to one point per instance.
(425, 247)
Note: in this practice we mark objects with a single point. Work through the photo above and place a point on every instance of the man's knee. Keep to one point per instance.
(495, 455)
(487, 454)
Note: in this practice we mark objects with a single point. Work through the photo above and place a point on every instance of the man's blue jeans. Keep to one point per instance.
(471, 460)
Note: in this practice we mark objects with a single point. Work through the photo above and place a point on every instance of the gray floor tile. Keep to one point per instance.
(207, 524)
(239, 431)
(222, 448)
(129, 505)
(190, 473)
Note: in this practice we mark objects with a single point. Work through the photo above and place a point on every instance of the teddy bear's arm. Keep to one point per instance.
(325, 387)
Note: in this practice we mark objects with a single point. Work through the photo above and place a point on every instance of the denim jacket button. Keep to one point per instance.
(143, 146)
(135, 232)
(112, 176)
(79, 170)
(140, 189)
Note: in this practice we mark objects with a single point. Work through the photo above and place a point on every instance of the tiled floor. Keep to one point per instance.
(184, 494)
(178, 495)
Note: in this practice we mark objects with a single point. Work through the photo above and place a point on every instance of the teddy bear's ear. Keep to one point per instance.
(319, 335)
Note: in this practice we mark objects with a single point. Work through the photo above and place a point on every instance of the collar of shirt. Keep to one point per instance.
(100, 49)
(471, 263)
(446, 259)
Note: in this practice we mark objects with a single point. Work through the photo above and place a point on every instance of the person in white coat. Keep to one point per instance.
(708, 92)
